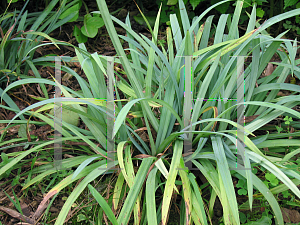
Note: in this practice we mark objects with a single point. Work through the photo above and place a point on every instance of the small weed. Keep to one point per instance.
(242, 184)
(271, 179)
(288, 121)
(279, 129)
(246, 220)
(161, 42)
(243, 187)
(286, 194)
(15, 181)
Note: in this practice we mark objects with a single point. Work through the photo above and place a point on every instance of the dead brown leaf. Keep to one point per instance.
(290, 215)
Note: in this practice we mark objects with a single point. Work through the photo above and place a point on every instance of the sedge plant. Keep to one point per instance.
(153, 93)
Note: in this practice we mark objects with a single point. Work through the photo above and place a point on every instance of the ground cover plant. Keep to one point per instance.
(151, 88)
(21, 34)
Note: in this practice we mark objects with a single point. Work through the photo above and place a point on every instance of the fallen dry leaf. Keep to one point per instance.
(290, 216)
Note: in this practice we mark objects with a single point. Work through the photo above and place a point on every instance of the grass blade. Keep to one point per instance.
(178, 147)
(103, 205)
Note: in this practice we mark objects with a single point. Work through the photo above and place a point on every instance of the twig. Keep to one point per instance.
(17, 215)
